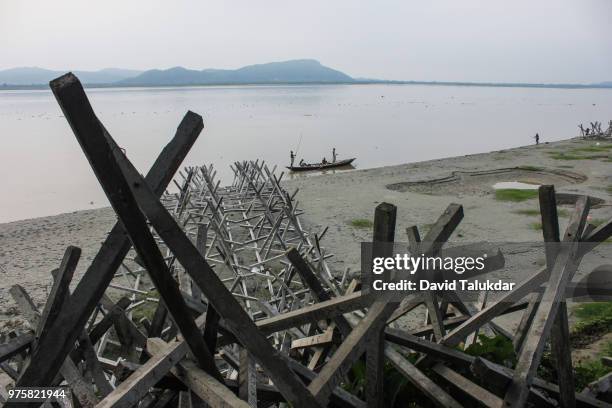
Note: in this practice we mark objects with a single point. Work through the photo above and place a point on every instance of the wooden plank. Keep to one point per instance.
(560, 336)
(105, 324)
(471, 390)
(372, 324)
(72, 320)
(247, 379)
(81, 389)
(15, 346)
(347, 353)
(323, 339)
(456, 336)
(565, 265)
(150, 373)
(208, 388)
(235, 318)
(60, 291)
(430, 389)
(93, 364)
(312, 282)
(385, 218)
(91, 135)
(500, 377)
(339, 398)
(405, 339)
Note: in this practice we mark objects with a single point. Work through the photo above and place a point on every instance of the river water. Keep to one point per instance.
(43, 171)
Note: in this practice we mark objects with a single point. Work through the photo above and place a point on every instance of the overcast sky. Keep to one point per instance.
(446, 40)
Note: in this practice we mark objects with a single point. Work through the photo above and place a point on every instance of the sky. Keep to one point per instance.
(550, 41)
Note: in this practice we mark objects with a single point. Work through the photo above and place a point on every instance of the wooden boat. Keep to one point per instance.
(321, 166)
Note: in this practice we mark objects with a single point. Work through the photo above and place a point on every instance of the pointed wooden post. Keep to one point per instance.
(46, 362)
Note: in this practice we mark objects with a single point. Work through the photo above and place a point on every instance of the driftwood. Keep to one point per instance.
(244, 310)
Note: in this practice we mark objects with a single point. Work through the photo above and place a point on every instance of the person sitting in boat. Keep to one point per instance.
(324, 161)
(302, 164)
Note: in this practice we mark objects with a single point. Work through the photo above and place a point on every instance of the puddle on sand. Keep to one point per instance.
(516, 185)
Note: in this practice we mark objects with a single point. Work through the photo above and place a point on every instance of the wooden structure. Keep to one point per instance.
(247, 313)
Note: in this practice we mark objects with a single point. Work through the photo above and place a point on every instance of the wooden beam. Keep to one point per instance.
(560, 336)
(72, 320)
(430, 389)
(91, 135)
(137, 385)
(60, 291)
(472, 391)
(15, 346)
(205, 386)
(312, 282)
(565, 265)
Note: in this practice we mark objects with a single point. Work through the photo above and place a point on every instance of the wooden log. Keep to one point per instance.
(73, 317)
(91, 135)
(565, 265)
(205, 386)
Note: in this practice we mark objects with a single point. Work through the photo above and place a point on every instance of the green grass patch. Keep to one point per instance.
(568, 156)
(532, 212)
(536, 226)
(361, 223)
(497, 349)
(514, 194)
(594, 149)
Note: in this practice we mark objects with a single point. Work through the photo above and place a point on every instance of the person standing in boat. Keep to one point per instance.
(292, 157)
(334, 155)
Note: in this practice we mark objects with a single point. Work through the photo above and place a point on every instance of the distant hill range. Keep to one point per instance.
(304, 71)
(41, 76)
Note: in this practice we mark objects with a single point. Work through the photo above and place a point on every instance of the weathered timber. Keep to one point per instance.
(91, 135)
(561, 273)
(59, 291)
(73, 317)
(205, 386)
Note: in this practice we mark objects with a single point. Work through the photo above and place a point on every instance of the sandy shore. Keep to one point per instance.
(30, 249)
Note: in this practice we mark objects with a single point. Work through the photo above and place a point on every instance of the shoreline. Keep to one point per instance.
(31, 248)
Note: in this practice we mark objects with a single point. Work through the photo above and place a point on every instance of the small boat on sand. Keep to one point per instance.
(323, 165)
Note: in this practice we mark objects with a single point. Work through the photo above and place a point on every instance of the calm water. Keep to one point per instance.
(43, 171)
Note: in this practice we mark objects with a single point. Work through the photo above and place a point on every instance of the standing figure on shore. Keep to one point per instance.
(292, 157)
(537, 139)
(334, 154)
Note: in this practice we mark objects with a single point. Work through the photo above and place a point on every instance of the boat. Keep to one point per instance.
(321, 166)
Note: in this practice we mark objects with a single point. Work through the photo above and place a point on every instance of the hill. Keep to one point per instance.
(38, 76)
(296, 71)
